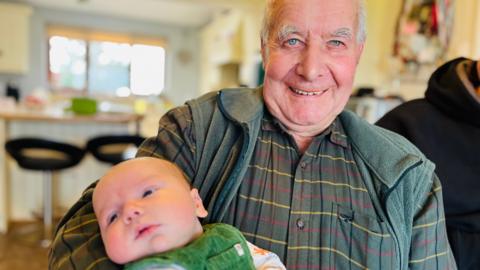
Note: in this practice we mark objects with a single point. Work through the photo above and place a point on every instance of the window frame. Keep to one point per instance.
(90, 34)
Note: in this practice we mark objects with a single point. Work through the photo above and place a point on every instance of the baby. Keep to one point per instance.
(147, 210)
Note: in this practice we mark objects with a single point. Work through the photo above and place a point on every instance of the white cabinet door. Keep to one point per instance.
(14, 38)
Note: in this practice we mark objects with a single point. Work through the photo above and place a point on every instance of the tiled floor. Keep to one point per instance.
(20, 248)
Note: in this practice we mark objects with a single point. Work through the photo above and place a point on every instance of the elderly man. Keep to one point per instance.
(318, 186)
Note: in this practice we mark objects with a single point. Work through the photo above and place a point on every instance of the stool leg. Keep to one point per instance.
(47, 209)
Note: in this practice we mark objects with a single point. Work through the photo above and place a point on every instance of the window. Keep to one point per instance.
(105, 63)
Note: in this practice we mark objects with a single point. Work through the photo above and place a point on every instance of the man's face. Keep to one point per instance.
(310, 60)
(146, 208)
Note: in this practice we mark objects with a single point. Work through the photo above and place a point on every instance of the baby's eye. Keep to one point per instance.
(112, 218)
(147, 193)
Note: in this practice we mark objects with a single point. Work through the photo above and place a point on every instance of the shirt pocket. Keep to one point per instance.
(364, 240)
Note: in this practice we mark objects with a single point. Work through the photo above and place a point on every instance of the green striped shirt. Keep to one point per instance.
(311, 209)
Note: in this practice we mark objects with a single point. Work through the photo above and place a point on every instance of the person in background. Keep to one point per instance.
(149, 218)
(445, 125)
(284, 164)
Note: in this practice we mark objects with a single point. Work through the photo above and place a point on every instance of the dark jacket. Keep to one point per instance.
(445, 125)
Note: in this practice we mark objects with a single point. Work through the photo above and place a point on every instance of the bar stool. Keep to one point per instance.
(47, 156)
(111, 148)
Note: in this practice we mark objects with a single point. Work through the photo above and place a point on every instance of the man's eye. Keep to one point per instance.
(147, 193)
(336, 43)
(112, 218)
(293, 41)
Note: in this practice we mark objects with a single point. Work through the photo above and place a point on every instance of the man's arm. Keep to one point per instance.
(430, 248)
(77, 243)
(175, 141)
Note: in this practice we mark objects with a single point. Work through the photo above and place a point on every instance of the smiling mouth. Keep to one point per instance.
(306, 93)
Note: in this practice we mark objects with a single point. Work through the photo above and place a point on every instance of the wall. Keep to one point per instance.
(181, 41)
(376, 67)
(466, 29)
(381, 21)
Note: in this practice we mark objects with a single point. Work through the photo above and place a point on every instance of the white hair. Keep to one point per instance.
(270, 12)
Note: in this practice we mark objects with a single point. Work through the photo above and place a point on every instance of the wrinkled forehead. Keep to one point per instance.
(320, 15)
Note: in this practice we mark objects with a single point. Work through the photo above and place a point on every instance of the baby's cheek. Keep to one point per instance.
(116, 248)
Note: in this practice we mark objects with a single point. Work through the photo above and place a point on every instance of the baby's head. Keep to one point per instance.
(146, 206)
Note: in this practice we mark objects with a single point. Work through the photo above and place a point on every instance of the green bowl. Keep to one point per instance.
(84, 106)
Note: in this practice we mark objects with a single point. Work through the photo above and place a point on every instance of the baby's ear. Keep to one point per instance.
(199, 208)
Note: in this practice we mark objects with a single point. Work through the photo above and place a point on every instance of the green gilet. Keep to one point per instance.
(221, 246)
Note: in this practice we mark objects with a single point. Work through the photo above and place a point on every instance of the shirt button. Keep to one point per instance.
(300, 224)
(303, 164)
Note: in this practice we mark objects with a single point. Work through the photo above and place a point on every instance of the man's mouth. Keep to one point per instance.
(306, 93)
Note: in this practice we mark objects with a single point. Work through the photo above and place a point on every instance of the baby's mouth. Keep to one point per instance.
(306, 93)
(145, 230)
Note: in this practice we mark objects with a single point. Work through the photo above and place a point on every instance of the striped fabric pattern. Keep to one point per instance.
(312, 209)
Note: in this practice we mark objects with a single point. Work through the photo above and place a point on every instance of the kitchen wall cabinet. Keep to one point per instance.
(14, 41)
(230, 52)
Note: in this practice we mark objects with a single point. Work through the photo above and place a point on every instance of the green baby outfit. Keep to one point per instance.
(221, 246)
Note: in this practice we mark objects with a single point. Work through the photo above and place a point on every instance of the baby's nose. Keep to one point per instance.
(131, 213)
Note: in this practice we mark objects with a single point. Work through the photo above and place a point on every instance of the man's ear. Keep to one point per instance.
(263, 52)
(199, 208)
(478, 68)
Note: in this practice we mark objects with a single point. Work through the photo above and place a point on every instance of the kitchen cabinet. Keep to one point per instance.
(14, 38)
(230, 51)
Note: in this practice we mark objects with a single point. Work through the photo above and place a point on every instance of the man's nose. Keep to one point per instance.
(131, 212)
(312, 64)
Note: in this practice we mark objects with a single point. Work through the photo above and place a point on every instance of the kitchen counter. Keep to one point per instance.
(20, 190)
(60, 115)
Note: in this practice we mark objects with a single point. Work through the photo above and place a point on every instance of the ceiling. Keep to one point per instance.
(190, 13)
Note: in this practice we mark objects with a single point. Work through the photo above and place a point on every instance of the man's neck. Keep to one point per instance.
(302, 142)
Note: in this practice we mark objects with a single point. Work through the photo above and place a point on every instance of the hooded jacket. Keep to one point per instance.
(445, 125)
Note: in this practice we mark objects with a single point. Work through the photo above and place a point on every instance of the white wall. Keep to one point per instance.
(181, 77)
(376, 68)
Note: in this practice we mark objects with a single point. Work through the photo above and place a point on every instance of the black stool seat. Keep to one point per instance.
(101, 147)
(56, 155)
(47, 156)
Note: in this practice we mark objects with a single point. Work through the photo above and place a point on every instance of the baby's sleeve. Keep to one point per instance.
(264, 259)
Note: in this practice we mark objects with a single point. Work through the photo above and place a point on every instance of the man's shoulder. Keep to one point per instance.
(231, 103)
(389, 154)
(236, 95)
(369, 136)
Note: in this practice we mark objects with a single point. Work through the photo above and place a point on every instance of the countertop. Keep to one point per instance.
(58, 114)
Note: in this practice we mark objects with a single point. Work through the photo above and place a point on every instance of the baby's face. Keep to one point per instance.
(144, 206)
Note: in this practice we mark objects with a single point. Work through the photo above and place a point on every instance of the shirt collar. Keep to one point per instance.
(334, 132)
